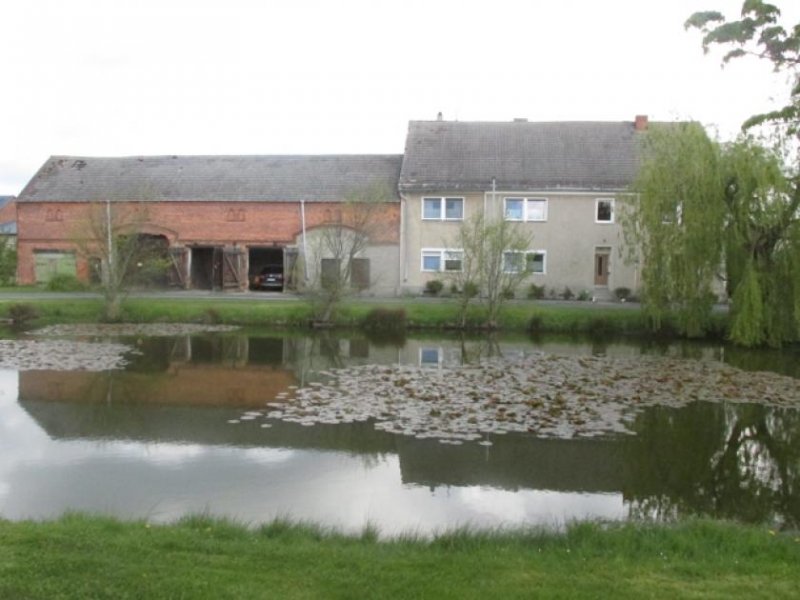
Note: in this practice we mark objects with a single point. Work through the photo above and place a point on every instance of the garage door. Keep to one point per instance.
(48, 263)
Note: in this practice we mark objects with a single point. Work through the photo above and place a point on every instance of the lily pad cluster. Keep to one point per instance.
(131, 329)
(547, 395)
(61, 355)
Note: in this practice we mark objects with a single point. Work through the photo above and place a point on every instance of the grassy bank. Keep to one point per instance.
(89, 557)
(528, 317)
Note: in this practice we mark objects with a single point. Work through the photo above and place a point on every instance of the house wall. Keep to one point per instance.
(570, 237)
(59, 225)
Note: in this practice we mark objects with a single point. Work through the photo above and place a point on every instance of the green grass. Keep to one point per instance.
(93, 557)
(528, 317)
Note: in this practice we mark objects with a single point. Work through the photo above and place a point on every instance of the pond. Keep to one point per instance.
(209, 423)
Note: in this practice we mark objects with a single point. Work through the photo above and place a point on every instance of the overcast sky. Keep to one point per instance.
(108, 78)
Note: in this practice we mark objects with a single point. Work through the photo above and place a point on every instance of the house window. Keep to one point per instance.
(604, 210)
(437, 260)
(526, 209)
(430, 357)
(674, 215)
(532, 261)
(443, 209)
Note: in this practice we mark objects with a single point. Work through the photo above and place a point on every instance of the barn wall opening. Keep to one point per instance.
(267, 269)
(148, 265)
(206, 272)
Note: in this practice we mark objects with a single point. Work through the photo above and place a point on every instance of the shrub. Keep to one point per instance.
(623, 294)
(21, 314)
(65, 283)
(471, 289)
(8, 263)
(385, 326)
(508, 294)
(536, 292)
(385, 320)
(567, 294)
(584, 296)
(434, 287)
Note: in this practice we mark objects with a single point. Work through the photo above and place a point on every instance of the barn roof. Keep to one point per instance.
(212, 178)
(519, 155)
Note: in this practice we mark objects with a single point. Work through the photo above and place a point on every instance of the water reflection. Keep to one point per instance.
(154, 441)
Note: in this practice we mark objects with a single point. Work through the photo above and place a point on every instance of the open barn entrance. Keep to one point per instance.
(267, 269)
(148, 259)
(206, 273)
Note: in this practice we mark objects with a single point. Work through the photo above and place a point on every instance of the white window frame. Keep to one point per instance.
(526, 214)
(443, 254)
(439, 356)
(526, 253)
(597, 202)
(443, 208)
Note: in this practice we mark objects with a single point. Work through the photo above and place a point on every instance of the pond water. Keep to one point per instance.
(183, 429)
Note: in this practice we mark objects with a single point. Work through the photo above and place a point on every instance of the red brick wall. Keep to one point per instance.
(57, 225)
(8, 212)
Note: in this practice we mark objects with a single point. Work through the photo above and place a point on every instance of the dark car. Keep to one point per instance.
(270, 278)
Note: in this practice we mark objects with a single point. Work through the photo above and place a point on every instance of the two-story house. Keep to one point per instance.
(559, 180)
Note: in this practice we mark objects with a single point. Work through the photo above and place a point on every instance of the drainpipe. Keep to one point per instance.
(305, 248)
(110, 266)
(402, 270)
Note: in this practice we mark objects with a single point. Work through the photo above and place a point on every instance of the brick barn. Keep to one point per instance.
(219, 219)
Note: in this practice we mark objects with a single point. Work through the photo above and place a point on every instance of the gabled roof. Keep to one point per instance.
(519, 155)
(211, 178)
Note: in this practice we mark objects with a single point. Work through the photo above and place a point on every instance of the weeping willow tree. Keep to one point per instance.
(674, 217)
(707, 217)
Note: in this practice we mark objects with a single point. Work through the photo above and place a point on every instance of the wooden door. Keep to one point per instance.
(602, 260)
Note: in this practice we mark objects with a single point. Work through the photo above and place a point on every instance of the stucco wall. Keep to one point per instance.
(570, 237)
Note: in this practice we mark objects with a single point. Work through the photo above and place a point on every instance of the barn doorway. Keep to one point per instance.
(267, 271)
(206, 271)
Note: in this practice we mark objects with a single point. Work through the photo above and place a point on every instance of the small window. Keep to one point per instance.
(525, 209)
(453, 260)
(431, 260)
(454, 209)
(514, 209)
(443, 209)
(535, 262)
(435, 260)
(430, 357)
(531, 262)
(432, 208)
(604, 211)
(513, 262)
(537, 209)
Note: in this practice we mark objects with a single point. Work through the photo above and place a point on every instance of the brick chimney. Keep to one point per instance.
(640, 124)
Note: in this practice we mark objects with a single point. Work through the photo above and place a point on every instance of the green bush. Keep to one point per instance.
(536, 292)
(21, 314)
(65, 283)
(384, 320)
(623, 294)
(567, 294)
(8, 263)
(434, 287)
(584, 296)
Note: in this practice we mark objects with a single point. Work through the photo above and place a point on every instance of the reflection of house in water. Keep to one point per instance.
(233, 371)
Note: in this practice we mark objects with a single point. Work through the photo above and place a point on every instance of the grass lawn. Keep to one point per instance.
(93, 557)
(521, 316)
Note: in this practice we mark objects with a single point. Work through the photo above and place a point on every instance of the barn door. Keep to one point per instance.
(234, 268)
(178, 272)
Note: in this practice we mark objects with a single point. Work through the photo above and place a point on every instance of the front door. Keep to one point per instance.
(601, 267)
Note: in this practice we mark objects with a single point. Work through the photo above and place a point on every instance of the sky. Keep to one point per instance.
(142, 77)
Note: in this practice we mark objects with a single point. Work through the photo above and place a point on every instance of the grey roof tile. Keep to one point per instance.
(454, 156)
(211, 178)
